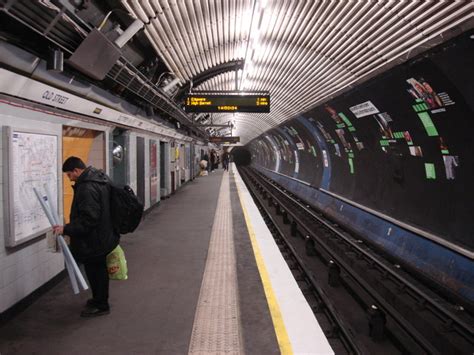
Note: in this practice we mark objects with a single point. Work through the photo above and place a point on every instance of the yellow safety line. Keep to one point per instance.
(278, 324)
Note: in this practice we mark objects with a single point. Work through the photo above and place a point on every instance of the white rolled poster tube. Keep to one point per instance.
(66, 251)
(71, 265)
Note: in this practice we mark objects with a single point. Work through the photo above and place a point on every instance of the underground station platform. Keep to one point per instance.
(205, 276)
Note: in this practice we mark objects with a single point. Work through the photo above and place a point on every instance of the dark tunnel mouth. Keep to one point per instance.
(242, 156)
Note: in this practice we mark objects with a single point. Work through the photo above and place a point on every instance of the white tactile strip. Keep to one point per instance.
(216, 328)
(292, 317)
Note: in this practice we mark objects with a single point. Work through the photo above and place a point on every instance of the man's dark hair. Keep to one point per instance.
(72, 163)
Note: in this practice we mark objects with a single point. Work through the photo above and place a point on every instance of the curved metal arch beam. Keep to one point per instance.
(200, 57)
(264, 66)
(209, 74)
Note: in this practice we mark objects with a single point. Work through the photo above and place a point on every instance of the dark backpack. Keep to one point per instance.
(126, 209)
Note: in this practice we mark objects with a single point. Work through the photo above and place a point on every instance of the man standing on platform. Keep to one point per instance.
(213, 159)
(225, 160)
(91, 230)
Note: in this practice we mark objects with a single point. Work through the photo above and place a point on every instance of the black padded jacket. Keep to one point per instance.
(90, 228)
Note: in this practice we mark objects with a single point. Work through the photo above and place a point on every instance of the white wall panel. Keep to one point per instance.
(147, 172)
(25, 268)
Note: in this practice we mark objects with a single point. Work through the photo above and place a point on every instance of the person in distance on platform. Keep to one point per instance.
(225, 160)
(91, 230)
(218, 160)
(213, 159)
(206, 158)
(203, 166)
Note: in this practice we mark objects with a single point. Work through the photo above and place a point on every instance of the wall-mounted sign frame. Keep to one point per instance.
(31, 159)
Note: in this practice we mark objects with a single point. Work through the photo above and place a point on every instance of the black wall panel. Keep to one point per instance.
(406, 152)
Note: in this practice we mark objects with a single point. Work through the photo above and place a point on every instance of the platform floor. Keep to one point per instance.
(182, 260)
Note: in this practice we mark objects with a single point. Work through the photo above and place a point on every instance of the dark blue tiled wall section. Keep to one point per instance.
(433, 260)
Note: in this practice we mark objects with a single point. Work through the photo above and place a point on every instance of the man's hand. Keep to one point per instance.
(58, 230)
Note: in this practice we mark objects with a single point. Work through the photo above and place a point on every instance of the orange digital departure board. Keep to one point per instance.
(227, 103)
(223, 140)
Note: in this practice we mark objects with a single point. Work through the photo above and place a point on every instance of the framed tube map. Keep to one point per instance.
(30, 160)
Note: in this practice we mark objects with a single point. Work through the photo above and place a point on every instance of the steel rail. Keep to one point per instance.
(411, 286)
(347, 339)
(466, 330)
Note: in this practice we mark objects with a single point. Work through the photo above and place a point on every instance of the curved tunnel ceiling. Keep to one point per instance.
(302, 52)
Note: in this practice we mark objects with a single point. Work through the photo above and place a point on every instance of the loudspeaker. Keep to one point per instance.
(95, 56)
(149, 111)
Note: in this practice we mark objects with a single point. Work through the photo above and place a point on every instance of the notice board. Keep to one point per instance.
(30, 160)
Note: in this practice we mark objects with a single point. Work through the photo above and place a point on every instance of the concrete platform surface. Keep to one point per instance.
(153, 311)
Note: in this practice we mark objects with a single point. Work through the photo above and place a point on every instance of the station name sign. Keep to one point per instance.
(227, 103)
(223, 140)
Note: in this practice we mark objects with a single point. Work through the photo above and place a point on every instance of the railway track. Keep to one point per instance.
(366, 303)
(336, 330)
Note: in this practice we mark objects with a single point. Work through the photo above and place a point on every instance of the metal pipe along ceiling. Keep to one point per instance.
(303, 52)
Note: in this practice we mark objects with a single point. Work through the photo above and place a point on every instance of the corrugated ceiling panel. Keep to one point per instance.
(301, 51)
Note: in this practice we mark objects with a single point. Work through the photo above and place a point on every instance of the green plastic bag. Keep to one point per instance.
(117, 264)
